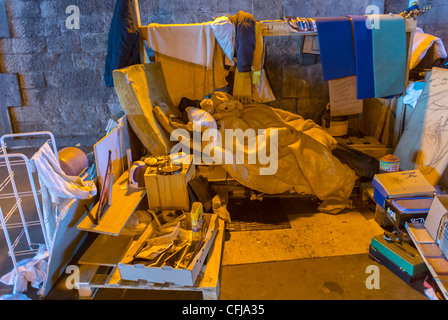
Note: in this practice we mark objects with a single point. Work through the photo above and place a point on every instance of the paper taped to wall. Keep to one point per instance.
(343, 99)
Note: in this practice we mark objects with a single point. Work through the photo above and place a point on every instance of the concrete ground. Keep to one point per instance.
(327, 278)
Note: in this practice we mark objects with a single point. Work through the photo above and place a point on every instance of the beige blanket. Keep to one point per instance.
(305, 162)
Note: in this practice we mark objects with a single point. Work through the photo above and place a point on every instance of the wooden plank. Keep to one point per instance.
(124, 202)
(441, 280)
(86, 273)
(210, 281)
(280, 28)
(101, 149)
(106, 250)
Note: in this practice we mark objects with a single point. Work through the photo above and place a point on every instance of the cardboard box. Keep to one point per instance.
(169, 191)
(178, 276)
(436, 222)
(401, 184)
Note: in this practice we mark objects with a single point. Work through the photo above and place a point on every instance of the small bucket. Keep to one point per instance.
(389, 163)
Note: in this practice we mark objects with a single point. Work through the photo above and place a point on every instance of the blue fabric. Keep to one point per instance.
(123, 43)
(336, 47)
(389, 56)
(363, 57)
(244, 40)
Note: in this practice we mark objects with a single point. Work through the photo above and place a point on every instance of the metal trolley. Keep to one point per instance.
(22, 223)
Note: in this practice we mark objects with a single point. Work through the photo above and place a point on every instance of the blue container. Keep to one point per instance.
(403, 210)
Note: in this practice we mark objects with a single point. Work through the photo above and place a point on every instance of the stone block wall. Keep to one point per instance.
(60, 70)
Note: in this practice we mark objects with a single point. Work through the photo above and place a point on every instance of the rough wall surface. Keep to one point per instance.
(60, 70)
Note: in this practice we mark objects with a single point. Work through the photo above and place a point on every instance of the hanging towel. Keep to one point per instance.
(193, 43)
(336, 47)
(389, 55)
(123, 43)
(363, 57)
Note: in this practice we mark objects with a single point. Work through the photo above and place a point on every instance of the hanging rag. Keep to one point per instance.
(336, 47)
(58, 189)
(224, 31)
(362, 37)
(32, 270)
(389, 55)
(192, 81)
(191, 59)
(244, 40)
(242, 86)
(123, 43)
(254, 85)
(193, 43)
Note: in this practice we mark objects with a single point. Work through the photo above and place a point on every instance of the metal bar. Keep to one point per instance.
(6, 181)
(19, 225)
(14, 207)
(13, 184)
(22, 194)
(8, 241)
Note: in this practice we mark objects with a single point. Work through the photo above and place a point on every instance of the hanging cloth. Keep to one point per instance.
(363, 57)
(58, 189)
(389, 55)
(123, 43)
(336, 47)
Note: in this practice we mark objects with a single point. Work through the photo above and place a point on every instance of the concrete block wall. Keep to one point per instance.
(60, 70)
(434, 22)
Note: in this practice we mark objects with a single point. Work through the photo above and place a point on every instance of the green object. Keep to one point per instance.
(405, 256)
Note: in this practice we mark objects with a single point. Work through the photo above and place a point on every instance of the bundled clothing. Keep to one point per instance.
(244, 40)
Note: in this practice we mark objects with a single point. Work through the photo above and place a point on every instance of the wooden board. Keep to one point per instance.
(440, 279)
(106, 250)
(124, 202)
(424, 143)
(66, 242)
(101, 149)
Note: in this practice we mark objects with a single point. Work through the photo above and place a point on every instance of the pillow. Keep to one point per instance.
(201, 117)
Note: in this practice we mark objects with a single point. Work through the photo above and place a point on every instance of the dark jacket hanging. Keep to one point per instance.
(123, 44)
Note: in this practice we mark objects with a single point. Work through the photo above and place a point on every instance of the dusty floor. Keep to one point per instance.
(336, 277)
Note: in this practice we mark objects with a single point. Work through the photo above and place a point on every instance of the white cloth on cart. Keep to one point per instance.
(58, 188)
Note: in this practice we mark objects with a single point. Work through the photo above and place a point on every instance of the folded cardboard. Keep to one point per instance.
(400, 184)
(436, 222)
(178, 276)
(436, 216)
